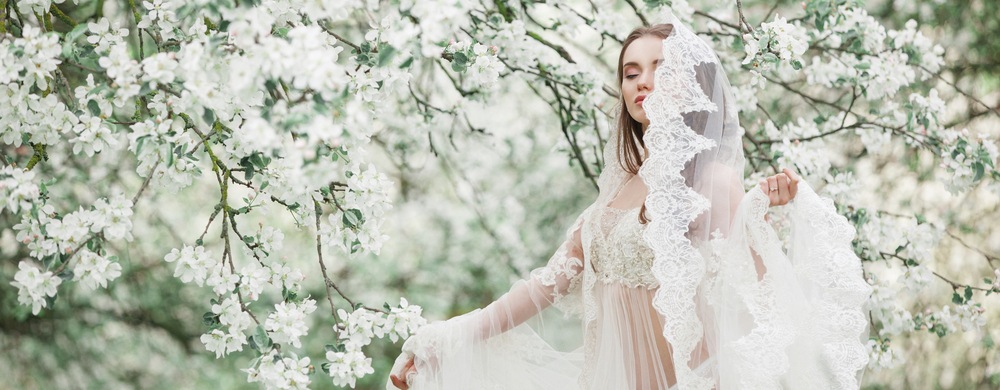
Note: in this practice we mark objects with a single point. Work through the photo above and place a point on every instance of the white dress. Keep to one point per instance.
(794, 326)
(602, 274)
(624, 344)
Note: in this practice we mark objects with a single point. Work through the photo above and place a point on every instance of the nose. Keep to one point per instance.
(646, 81)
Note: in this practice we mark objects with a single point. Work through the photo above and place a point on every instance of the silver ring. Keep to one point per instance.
(774, 189)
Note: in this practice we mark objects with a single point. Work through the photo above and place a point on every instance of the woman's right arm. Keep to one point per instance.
(548, 285)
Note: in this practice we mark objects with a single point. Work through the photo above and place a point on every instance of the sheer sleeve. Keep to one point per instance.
(557, 283)
(466, 351)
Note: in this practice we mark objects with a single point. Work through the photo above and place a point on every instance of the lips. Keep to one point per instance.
(639, 99)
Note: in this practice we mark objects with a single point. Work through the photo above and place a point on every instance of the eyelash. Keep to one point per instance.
(631, 76)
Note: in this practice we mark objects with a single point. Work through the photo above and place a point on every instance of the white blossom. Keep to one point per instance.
(287, 322)
(193, 263)
(33, 286)
(348, 366)
(105, 34)
(882, 357)
(95, 270)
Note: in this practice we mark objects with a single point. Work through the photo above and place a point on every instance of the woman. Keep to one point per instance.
(679, 280)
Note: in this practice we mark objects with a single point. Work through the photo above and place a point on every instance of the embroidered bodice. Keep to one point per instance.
(619, 252)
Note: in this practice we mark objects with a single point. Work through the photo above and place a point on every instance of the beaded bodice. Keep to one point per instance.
(620, 254)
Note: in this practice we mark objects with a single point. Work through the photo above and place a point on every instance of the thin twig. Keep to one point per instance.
(743, 20)
(995, 110)
(637, 13)
(719, 21)
(339, 38)
(988, 257)
(322, 265)
(145, 183)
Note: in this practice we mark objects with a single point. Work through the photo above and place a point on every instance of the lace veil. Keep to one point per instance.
(738, 308)
(727, 288)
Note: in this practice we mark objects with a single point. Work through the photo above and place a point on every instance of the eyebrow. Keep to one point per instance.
(633, 63)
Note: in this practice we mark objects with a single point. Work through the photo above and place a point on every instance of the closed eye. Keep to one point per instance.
(631, 76)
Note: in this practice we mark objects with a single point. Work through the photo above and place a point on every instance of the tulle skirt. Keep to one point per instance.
(623, 349)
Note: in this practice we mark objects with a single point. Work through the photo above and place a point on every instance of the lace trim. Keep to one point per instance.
(670, 204)
(760, 356)
(838, 318)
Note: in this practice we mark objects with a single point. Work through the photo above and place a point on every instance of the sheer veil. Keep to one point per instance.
(773, 319)
(739, 308)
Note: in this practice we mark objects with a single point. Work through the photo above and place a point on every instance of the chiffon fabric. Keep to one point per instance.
(703, 296)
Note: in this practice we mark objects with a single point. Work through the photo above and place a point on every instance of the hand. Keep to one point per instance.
(781, 188)
(400, 379)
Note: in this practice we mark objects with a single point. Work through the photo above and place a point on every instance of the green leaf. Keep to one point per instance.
(331, 348)
(261, 337)
(956, 299)
(796, 65)
(288, 295)
(353, 218)
(980, 170)
(968, 293)
(460, 58)
(208, 116)
(248, 239)
(94, 108)
(407, 63)
(862, 65)
(76, 32)
(920, 219)
(209, 319)
(358, 305)
(770, 57)
(385, 55)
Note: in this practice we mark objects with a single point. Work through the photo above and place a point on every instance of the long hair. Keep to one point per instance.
(630, 143)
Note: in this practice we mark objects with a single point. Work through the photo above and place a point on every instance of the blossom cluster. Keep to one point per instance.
(94, 270)
(234, 320)
(25, 116)
(281, 371)
(287, 322)
(17, 189)
(774, 41)
(33, 286)
(879, 61)
(967, 162)
(479, 62)
(882, 357)
(47, 234)
(347, 361)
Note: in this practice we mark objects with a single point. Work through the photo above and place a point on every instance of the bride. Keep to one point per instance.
(678, 278)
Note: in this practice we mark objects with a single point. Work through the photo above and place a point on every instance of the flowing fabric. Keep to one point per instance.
(703, 296)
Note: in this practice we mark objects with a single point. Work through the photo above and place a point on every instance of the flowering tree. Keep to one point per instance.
(291, 113)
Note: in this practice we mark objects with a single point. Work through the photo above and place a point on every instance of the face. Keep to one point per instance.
(638, 65)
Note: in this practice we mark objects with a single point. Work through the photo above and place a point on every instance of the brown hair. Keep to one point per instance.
(630, 143)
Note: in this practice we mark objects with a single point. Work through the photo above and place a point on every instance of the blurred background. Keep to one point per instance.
(474, 213)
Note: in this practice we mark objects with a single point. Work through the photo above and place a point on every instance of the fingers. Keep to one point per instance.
(783, 190)
(399, 383)
(793, 186)
(772, 190)
(399, 379)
